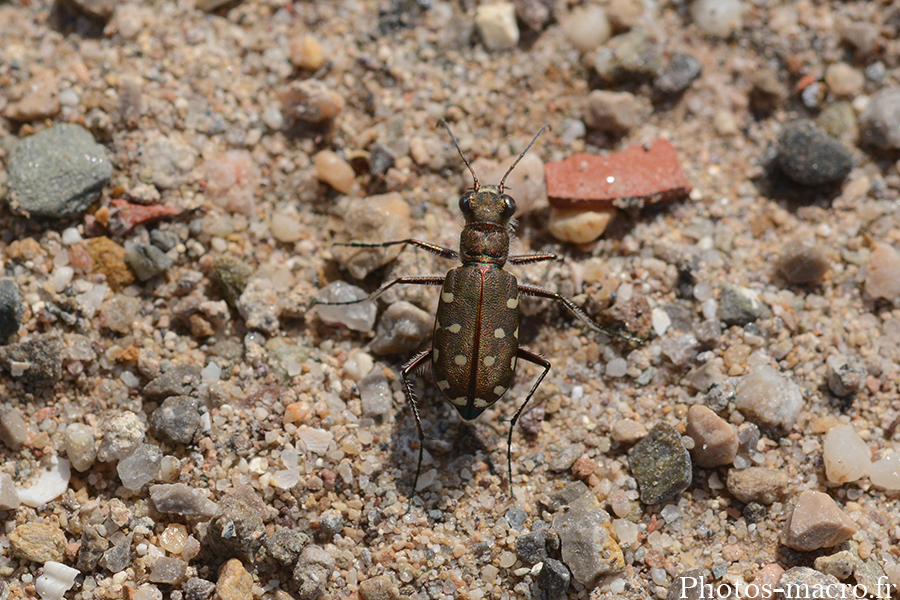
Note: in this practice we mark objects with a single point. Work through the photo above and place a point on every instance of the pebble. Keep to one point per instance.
(843, 80)
(715, 439)
(13, 428)
(661, 464)
(563, 460)
(311, 101)
(739, 306)
(358, 364)
(51, 484)
(375, 394)
(40, 100)
(804, 578)
(845, 376)
(586, 28)
(232, 275)
(718, 18)
(358, 317)
(802, 261)
(232, 180)
(181, 499)
(37, 361)
(108, 258)
(578, 226)
(57, 173)
(38, 542)
(883, 273)
(762, 485)
(334, 170)
(10, 309)
(177, 380)
(632, 55)
(9, 498)
(140, 467)
(839, 565)
(166, 161)
(846, 455)
(378, 588)
(286, 227)
(93, 545)
(235, 582)
(146, 260)
(306, 53)
(554, 579)
(767, 398)
(531, 547)
(885, 473)
(177, 419)
(99, 9)
(55, 580)
(258, 305)
(375, 219)
(119, 313)
(403, 327)
(816, 522)
(496, 23)
(170, 570)
(124, 216)
(122, 435)
(810, 156)
(628, 432)
(839, 120)
(681, 72)
(81, 446)
(285, 545)
(312, 572)
(238, 527)
(586, 544)
(117, 558)
(879, 123)
(515, 517)
(198, 589)
(613, 112)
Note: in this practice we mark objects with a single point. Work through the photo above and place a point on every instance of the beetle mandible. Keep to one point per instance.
(475, 345)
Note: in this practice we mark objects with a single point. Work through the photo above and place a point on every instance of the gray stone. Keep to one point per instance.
(9, 498)
(13, 428)
(402, 329)
(169, 570)
(358, 316)
(613, 112)
(37, 361)
(563, 460)
(554, 579)
(681, 71)
(10, 309)
(516, 518)
(330, 523)
(767, 398)
(238, 527)
(845, 376)
(661, 464)
(181, 499)
(531, 547)
(197, 589)
(117, 558)
(285, 545)
(93, 545)
(146, 260)
(880, 121)
(688, 585)
(803, 582)
(375, 394)
(177, 419)
(140, 467)
(312, 572)
(810, 156)
(179, 380)
(58, 172)
(739, 306)
(586, 543)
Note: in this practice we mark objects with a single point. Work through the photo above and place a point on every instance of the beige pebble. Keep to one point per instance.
(847, 458)
(234, 582)
(578, 226)
(885, 473)
(844, 80)
(883, 273)
(497, 26)
(715, 440)
(38, 542)
(306, 53)
(586, 28)
(816, 522)
(628, 432)
(757, 484)
(334, 170)
(285, 226)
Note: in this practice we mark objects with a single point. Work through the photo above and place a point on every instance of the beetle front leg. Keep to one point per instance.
(433, 248)
(405, 372)
(423, 280)
(541, 362)
(538, 292)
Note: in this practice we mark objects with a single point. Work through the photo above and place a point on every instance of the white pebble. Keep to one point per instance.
(661, 321)
(497, 25)
(71, 236)
(62, 277)
(626, 531)
(717, 17)
(316, 440)
(846, 455)
(885, 473)
(211, 373)
(50, 485)
(55, 581)
(617, 367)
(587, 29)
(286, 478)
(285, 226)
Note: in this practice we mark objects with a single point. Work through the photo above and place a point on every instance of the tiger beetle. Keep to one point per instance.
(475, 346)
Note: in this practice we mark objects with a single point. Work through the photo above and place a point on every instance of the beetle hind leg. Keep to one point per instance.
(540, 361)
(405, 374)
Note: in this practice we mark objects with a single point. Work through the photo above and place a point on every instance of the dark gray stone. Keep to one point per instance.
(285, 545)
(737, 307)
(554, 579)
(179, 380)
(177, 419)
(57, 173)
(10, 309)
(516, 518)
(531, 547)
(93, 545)
(810, 156)
(197, 589)
(146, 260)
(661, 464)
(238, 527)
(43, 356)
(678, 76)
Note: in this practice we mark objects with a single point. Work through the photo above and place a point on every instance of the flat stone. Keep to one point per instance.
(125, 216)
(586, 541)
(762, 485)
(140, 467)
(816, 522)
(715, 440)
(169, 570)
(57, 173)
(661, 464)
(38, 542)
(645, 175)
(235, 582)
(181, 499)
(803, 582)
(178, 380)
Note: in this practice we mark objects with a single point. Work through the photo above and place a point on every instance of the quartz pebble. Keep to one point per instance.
(13, 428)
(37, 542)
(578, 226)
(883, 273)
(769, 399)
(10, 309)
(285, 226)
(358, 317)
(715, 440)
(839, 565)
(375, 394)
(719, 18)
(373, 219)
(810, 156)
(402, 328)
(378, 588)
(846, 455)
(661, 464)
(50, 485)
(802, 261)
(885, 473)
(762, 485)
(140, 467)
(181, 499)
(816, 522)
(306, 53)
(586, 544)
(9, 498)
(586, 28)
(166, 161)
(81, 446)
(497, 26)
(119, 313)
(880, 122)
(334, 170)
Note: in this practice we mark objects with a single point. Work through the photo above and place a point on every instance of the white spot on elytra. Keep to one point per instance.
(499, 390)
(489, 361)
(447, 297)
(512, 303)
(436, 355)
(443, 384)
(479, 403)
(461, 401)
(460, 359)
(516, 333)
(499, 333)
(454, 328)
(512, 363)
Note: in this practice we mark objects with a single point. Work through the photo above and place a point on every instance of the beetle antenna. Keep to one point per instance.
(458, 149)
(527, 148)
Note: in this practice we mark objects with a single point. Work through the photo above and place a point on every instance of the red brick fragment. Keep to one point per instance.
(643, 174)
(125, 216)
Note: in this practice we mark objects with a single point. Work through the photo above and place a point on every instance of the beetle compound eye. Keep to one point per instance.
(509, 206)
(464, 203)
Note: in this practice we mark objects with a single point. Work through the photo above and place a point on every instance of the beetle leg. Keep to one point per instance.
(416, 280)
(541, 362)
(527, 259)
(433, 248)
(405, 373)
(538, 292)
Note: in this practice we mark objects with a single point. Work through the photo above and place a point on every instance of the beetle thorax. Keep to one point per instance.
(484, 243)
